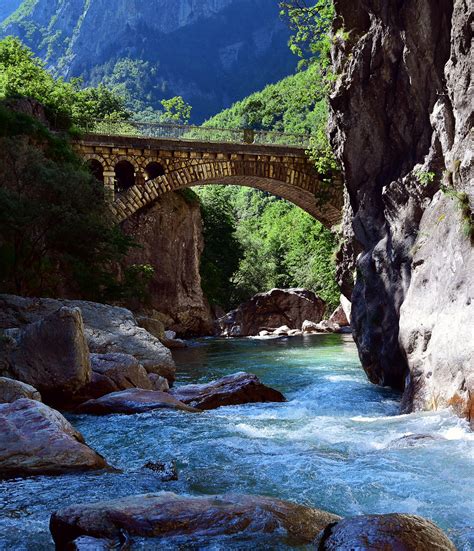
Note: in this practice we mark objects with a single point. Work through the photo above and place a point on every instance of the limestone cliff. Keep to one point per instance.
(169, 233)
(401, 124)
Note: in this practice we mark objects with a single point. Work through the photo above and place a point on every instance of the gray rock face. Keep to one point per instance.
(167, 514)
(169, 233)
(11, 390)
(393, 531)
(404, 95)
(51, 354)
(37, 440)
(134, 400)
(271, 310)
(240, 388)
(112, 373)
(108, 329)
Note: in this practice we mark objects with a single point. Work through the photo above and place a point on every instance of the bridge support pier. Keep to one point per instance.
(109, 186)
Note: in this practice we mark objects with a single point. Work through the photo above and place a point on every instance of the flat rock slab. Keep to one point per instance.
(38, 440)
(133, 400)
(167, 514)
(380, 532)
(240, 388)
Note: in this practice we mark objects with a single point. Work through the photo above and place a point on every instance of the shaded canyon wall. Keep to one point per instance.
(169, 233)
(401, 125)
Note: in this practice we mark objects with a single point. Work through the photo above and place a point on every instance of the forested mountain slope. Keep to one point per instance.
(211, 52)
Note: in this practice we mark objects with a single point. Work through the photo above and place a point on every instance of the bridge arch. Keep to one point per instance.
(296, 184)
(162, 165)
(125, 175)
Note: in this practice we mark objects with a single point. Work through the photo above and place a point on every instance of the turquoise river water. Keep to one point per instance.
(335, 444)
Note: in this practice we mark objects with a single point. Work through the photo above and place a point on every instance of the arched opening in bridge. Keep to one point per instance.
(124, 176)
(97, 169)
(153, 170)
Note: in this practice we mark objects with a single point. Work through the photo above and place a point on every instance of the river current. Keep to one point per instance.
(337, 444)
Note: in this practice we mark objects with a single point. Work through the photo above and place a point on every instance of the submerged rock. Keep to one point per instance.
(271, 310)
(11, 390)
(393, 531)
(167, 471)
(38, 440)
(50, 354)
(240, 388)
(107, 329)
(167, 514)
(134, 400)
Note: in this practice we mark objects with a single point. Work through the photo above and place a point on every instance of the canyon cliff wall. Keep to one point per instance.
(169, 235)
(401, 124)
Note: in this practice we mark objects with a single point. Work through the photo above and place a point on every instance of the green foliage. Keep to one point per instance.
(296, 104)
(464, 206)
(176, 110)
(311, 25)
(273, 244)
(24, 75)
(222, 251)
(425, 177)
(54, 229)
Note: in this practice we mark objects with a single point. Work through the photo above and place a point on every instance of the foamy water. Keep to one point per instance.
(337, 444)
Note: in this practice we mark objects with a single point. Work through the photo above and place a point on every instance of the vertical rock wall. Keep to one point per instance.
(401, 125)
(169, 233)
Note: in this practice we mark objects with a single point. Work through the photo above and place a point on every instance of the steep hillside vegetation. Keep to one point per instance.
(269, 242)
(211, 52)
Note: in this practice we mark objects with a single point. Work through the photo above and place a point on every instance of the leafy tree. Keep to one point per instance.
(24, 75)
(222, 251)
(54, 232)
(311, 24)
(176, 110)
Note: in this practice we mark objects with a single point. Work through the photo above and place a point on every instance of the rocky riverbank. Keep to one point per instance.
(283, 313)
(79, 355)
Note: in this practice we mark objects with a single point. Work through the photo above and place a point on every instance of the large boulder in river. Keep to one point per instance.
(38, 440)
(240, 388)
(268, 311)
(107, 329)
(11, 390)
(111, 373)
(167, 514)
(393, 531)
(50, 354)
(134, 400)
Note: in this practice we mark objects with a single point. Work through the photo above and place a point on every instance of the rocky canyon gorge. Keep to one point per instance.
(401, 125)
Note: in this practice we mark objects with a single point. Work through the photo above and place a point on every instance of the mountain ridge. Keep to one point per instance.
(212, 52)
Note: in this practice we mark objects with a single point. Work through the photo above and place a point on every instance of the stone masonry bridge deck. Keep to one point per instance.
(136, 170)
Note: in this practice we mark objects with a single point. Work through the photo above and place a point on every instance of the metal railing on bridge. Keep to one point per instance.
(183, 132)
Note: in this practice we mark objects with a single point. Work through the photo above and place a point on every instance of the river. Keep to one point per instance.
(335, 444)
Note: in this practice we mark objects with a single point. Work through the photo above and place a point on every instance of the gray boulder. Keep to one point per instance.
(50, 354)
(107, 329)
(167, 514)
(239, 388)
(114, 372)
(392, 531)
(11, 390)
(268, 311)
(38, 440)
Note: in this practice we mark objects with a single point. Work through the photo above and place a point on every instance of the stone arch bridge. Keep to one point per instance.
(137, 169)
